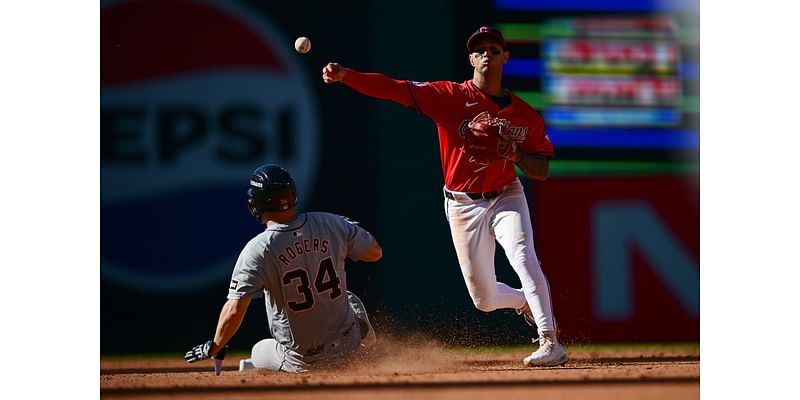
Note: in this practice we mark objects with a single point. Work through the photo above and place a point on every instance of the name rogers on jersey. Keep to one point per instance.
(301, 247)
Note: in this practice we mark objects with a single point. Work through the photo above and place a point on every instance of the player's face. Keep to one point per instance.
(487, 53)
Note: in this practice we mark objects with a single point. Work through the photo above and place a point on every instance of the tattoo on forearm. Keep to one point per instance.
(534, 166)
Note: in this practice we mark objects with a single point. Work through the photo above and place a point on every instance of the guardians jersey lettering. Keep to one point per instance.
(301, 247)
(451, 105)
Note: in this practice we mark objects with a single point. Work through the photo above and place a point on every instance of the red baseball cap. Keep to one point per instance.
(485, 31)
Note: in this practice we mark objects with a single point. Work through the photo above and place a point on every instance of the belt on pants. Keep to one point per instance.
(473, 195)
(319, 349)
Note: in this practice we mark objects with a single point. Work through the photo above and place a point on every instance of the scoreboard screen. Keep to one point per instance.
(615, 79)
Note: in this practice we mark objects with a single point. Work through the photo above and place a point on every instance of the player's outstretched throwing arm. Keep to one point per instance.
(371, 84)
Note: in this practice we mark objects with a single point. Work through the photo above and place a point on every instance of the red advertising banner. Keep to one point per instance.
(622, 255)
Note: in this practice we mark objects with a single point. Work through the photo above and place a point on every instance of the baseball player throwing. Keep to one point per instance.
(297, 265)
(483, 199)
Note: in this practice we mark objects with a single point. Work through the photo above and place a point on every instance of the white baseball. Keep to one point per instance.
(302, 45)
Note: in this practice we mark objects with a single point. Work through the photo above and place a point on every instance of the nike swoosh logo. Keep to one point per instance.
(468, 104)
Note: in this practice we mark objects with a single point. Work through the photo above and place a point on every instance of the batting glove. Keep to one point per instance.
(202, 352)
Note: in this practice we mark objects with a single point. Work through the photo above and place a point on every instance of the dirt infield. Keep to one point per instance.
(402, 371)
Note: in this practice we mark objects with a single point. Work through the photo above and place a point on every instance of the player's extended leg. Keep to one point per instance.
(475, 246)
(514, 232)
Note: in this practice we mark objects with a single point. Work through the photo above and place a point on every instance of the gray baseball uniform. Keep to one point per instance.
(299, 268)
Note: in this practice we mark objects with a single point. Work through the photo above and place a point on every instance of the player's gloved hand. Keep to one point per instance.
(202, 352)
(503, 149)
(487, 140)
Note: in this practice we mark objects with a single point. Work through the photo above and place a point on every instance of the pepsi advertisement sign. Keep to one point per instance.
(194, 96)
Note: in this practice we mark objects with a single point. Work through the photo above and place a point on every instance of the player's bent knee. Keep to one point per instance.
(484, 305)
(266, 355)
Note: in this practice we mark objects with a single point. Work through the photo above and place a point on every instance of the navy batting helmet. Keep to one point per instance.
(271, 189)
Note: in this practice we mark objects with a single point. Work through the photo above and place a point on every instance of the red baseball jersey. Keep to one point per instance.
(452, 106)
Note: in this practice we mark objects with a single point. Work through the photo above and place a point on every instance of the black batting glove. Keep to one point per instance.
(201, 352)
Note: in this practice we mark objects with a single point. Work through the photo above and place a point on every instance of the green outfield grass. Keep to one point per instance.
(588, 347)
(162, 356)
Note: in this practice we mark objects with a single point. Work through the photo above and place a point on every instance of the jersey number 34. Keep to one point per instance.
(326, 280)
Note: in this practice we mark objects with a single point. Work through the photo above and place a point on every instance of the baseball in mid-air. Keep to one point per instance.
(302, 45)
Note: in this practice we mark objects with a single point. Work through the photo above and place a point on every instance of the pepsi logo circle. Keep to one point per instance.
(194, 96)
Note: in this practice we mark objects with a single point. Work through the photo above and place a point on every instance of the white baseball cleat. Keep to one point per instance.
(549, 354)
(246, 365)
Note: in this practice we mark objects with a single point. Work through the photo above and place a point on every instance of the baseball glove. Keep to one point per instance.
(486, 140)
